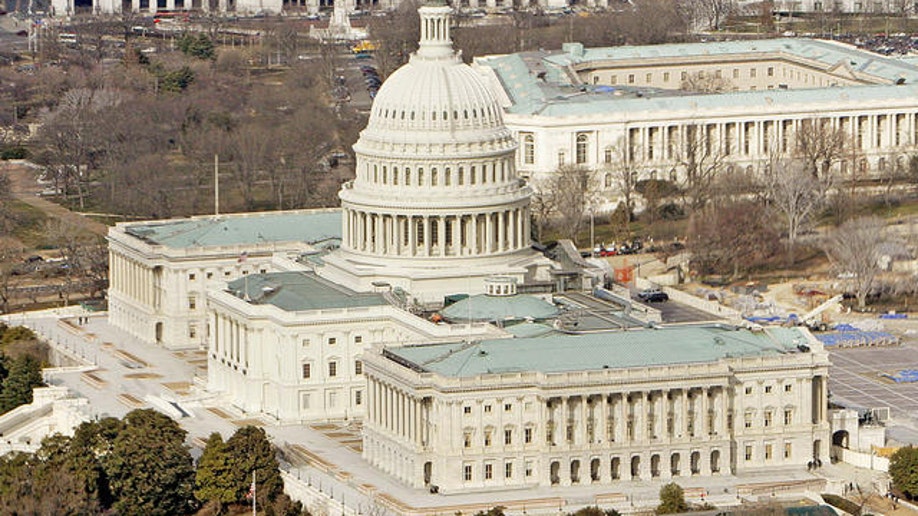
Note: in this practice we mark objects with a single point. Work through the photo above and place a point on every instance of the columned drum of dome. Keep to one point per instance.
(435, 174)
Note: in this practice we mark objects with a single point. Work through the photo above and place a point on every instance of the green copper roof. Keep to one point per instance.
(607, 350)
(300, 291)
(252, 228)
(483, 307)
(537, 85)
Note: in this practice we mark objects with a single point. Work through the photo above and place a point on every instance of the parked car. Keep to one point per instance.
(653, 295)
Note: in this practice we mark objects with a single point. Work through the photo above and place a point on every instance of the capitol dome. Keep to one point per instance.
(436, 205)
(434, 98)
(436, 177)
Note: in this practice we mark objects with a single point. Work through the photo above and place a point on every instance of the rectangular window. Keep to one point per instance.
(771, 71)
(332, 399)
(747, 422)
(787, 450)
(527, 435)
(358, 397)
(748, 454)
(768, 452)
(752, 72)
(508, 436)
(748, 390)
(528, 468)
(768, 418)
(487, 408)
(613, 80)
(307, 371)
(768, 389)
(788, 387)
(332, 341)
(191, 277)
(487, 438)
(648, 77)
(467, 472)
(210, 275)
(684, 76)
(332, 369)
(508, 407)
(508, 470)
(305, 343)
(304, 401)
(358, 367)
(630, 78)
(788, 416)
(358, 339)
(467, 440)
(192, 303)
(489, 471)
(665, 76)
(192, 330)
(736, 73)
(466, 410)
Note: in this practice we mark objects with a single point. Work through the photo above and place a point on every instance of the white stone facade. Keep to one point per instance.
(306, 365)
(157, 292)
(595, 427)
(775, 90)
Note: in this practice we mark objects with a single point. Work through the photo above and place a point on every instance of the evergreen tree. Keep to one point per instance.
(672, 499)
(58, 485)
(149, 468)
(250, 451)
(16, 389)
(91, 443)
(903, 469)
(214, 479)
(197, 45)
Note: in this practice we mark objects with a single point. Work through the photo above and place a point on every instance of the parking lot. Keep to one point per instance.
(855, 378)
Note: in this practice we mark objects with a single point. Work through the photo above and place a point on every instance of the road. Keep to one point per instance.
(25, 187)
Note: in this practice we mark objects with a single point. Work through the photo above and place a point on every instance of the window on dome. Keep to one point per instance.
(455, 115)
(433, 177)
(375, 174)
(412, 115)
(420, 231)
(448, 177)
(403, 115)
(408, 177)
(420, 177)
(394, 175)
(466, 113)
(385, 178)
(493, 172)
(461, 178)
(473, 175)
(445, 115)
(433, 115)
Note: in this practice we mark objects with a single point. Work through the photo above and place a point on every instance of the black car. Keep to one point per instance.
(653, 296)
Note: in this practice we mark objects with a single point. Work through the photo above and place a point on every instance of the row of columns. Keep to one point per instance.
(636, 466)
(437, 235)
(761, 137)
(399, 413)
(488, 173)
(134, 279)
(230, 339)
(636, 417)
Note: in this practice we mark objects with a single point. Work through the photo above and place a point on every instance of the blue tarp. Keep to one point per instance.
(904, 376)
(851, 338)
(893, 316)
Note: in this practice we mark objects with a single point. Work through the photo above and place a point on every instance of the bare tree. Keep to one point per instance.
(624, 175)
(794, 194)
(853, 248)
(571, 189)
(702, 159)
(396, 36)
(701, 82)
(712, 12)
(730, 239)
(542, 207)
(819, 145)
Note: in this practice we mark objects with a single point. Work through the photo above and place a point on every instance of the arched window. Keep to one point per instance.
(420, 177)
(608, 181)
(395, 175)
(583, 146)
(528, 148)
(673, 176)
(433, 177)
(448, 177)
(461, 179)
(408, 177)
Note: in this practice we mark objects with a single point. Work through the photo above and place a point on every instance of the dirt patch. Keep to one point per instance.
(143, 376)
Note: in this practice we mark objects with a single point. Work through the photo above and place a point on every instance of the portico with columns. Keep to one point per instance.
(429, 424)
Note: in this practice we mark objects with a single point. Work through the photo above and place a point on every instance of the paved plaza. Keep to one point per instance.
(118, 374)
